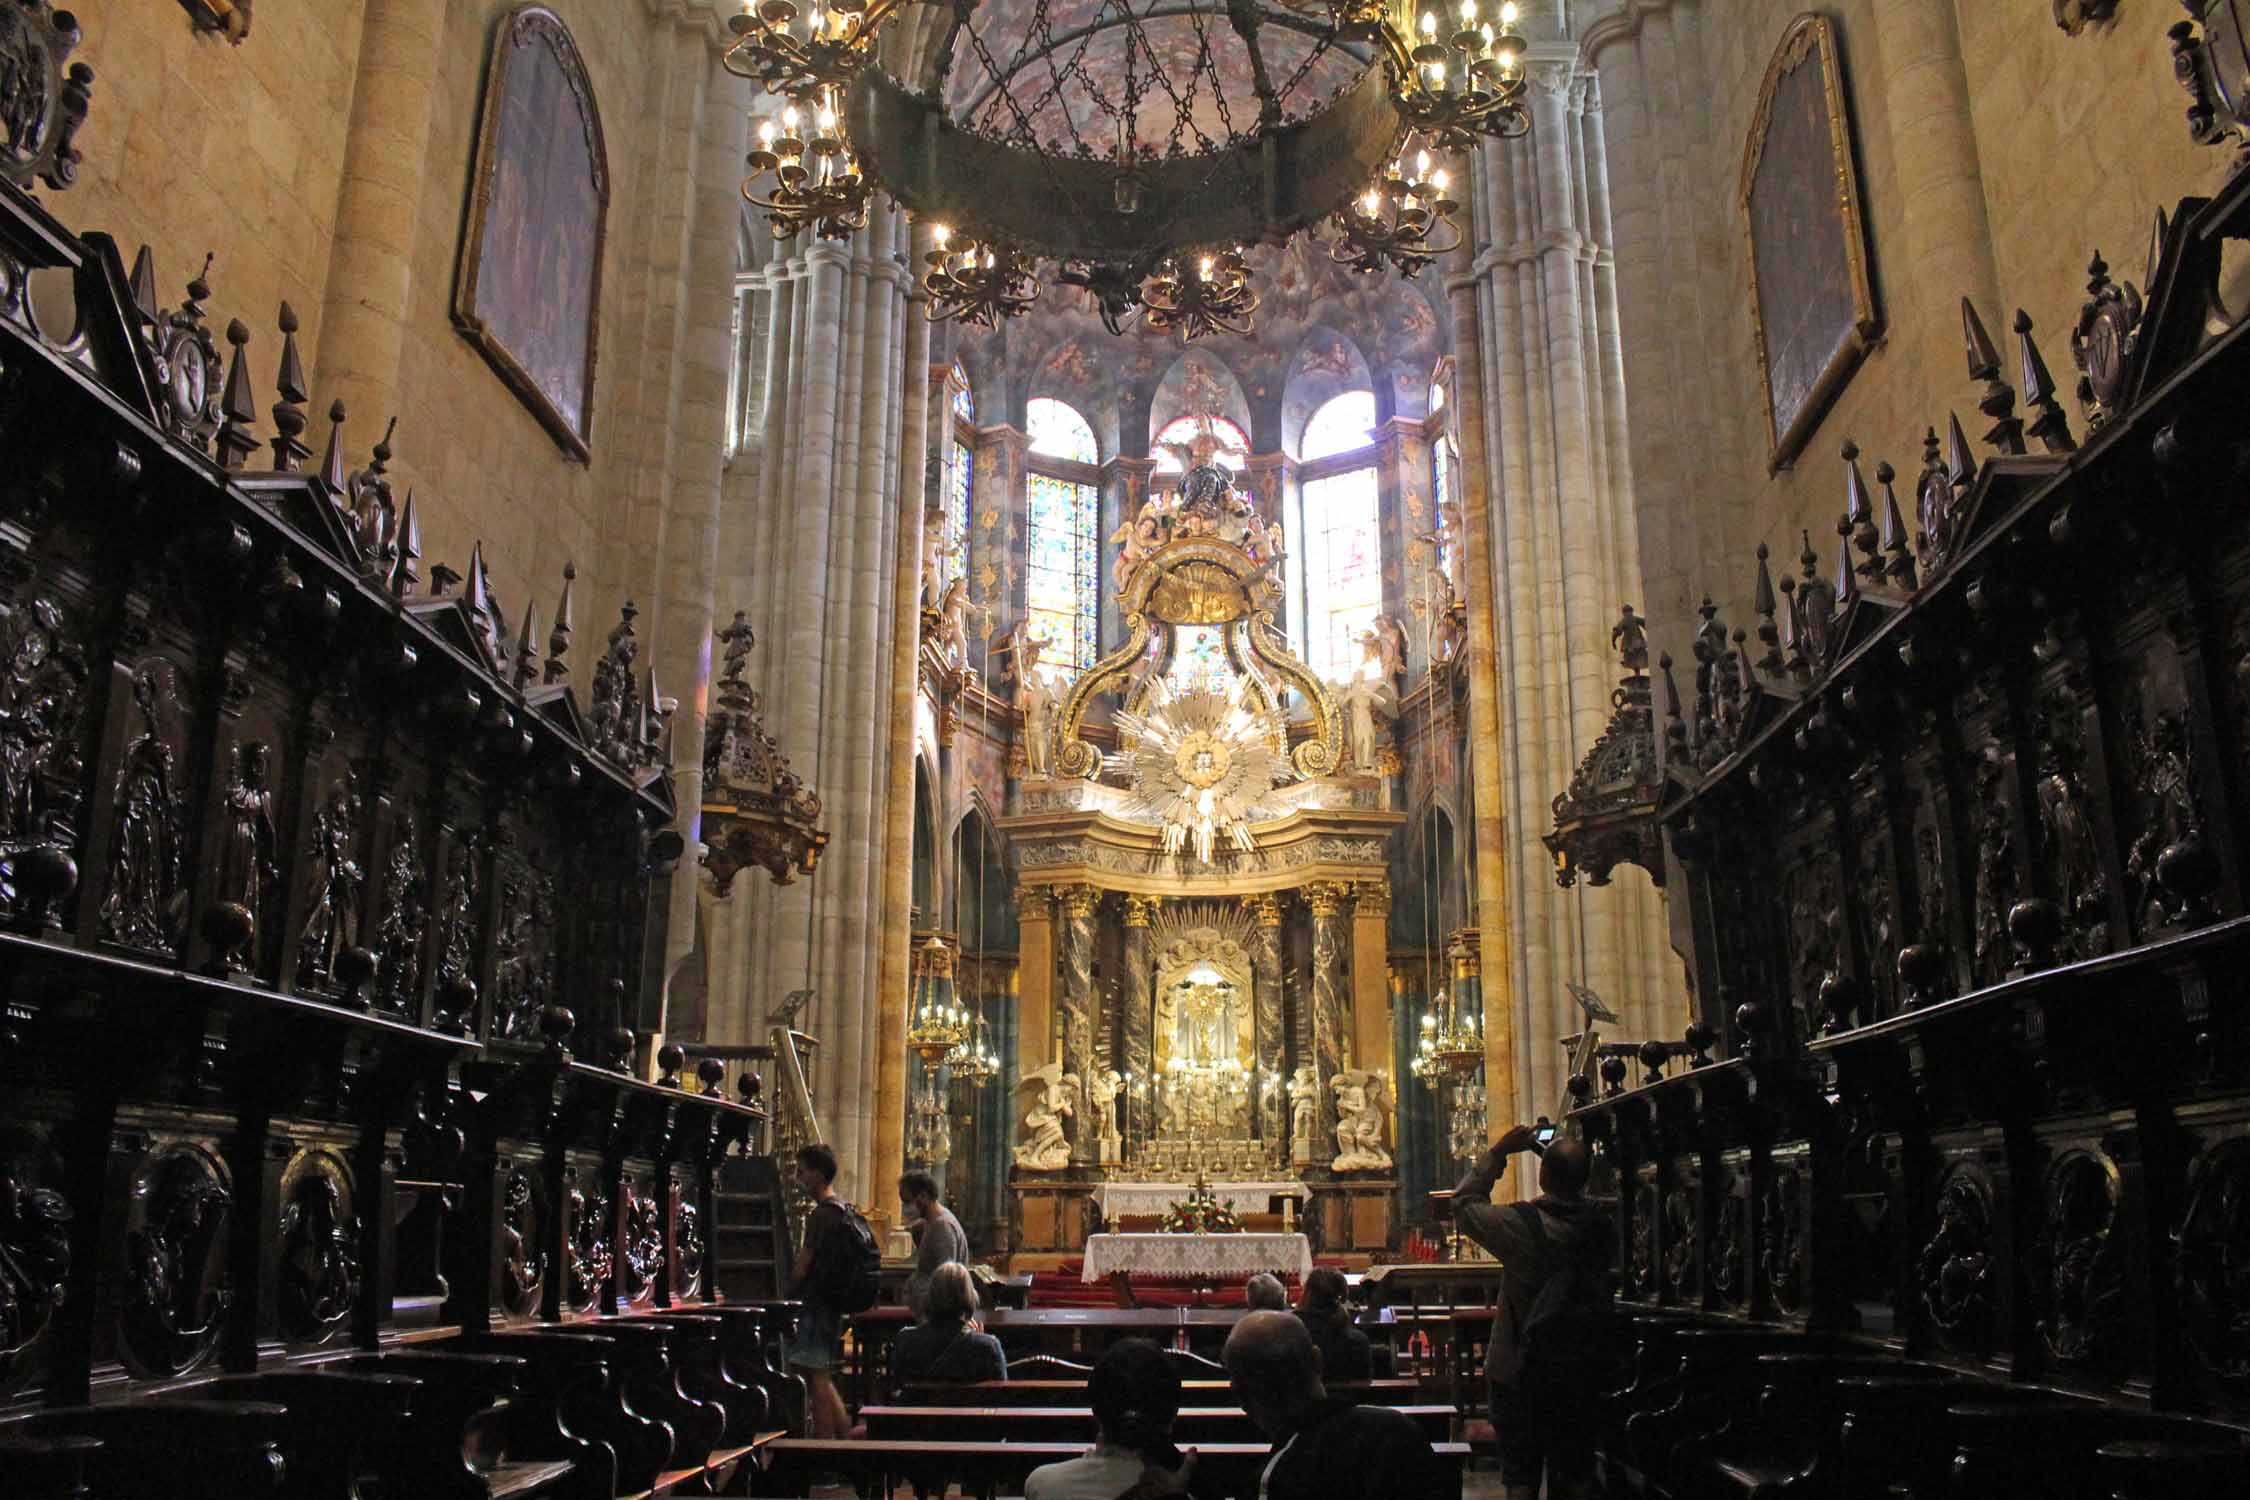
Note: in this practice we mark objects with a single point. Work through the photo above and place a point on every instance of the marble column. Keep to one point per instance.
(1080, 1006)
(362, 327)
(1371, 972)
(1272, 1038)
(1035, 979)
(1331, 1026)
(898, 842)
(1139, 1001)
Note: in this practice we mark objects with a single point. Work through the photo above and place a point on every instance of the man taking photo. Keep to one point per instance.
(1552, 1340)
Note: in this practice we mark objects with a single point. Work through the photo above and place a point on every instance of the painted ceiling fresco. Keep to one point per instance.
(1064, 67)
(1320, 329)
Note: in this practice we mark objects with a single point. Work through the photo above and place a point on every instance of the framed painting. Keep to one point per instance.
(528, 289)
(1812, 299)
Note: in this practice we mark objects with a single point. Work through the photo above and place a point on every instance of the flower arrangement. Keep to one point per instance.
(1201, 1213)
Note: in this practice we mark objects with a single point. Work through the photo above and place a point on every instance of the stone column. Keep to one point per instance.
(898, 841)
(1485, 752)
(362, 324)
(1271, 1036)
(1138, 1001)
(1035, 979)
(1079, 1005)
(1331, 1028)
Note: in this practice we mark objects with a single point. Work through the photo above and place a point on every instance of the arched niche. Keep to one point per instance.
(925, 845)
(1326, 365)
(1079, 371)
(1198, 382)
(984, 907)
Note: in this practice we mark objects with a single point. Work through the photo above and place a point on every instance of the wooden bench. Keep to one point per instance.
(1195, 1426)
(995, 1468)
(1013, 1392)
(337, 1429)
(235, 1445)
(456, 1444)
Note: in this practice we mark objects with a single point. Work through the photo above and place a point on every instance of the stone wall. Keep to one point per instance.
(1996, 154)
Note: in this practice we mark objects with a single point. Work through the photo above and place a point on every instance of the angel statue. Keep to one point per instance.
(953, 623)
(1366, 701)
(1035, 701)
(1304, 1113)
(1384, 643)
(1044, 1149)
(1102, 1088)
(1359, 1121)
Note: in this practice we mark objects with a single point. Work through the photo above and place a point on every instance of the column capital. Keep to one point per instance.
(1035, 903)
(1267, 909)
(1080, 900)
(1327, 897)
(1374, 897)
(1140, 909)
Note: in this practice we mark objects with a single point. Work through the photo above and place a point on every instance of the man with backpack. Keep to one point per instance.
(1552, 1333)
(838, 1264)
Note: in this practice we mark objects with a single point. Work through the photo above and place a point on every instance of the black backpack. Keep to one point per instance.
(1571, 1320)
(848, 1265)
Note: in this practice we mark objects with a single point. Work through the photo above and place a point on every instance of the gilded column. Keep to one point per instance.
(1272, 1038)
(362, 327)
(1371, 975)
(1035, 978)
(1079, 1005)
(898, 830)
(1331, 1031)
(1138, 1001)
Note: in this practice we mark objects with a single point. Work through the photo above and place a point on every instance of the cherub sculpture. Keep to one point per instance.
(1052, 1095)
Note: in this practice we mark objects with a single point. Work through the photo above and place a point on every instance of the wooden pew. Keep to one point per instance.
(2084, 1450)
(571, 1411)
(236, 1446)
(457, 1439)
(1013, 1392)
(749, 1345)
(990, 1468)
(48, 1468)
(650, 1387)
(337, 1430)
(1195, 1427)
(703, 1373)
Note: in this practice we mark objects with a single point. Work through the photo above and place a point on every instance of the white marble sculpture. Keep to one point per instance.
(1366, 701)
(1051, 1091)
(1359, 1121)
(1304, 1115)
(1035, 701)
(1102, 1087)
(953, 623)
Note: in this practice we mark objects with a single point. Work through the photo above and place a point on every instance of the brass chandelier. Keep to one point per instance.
(1136, 146)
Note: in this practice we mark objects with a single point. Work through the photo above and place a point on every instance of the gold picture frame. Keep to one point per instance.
(527, 288)
(1812, 296)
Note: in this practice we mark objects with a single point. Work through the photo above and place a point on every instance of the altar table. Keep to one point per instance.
(1212, 1258)
(1119, 1198)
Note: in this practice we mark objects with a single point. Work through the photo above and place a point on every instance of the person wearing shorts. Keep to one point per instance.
(816, 1349)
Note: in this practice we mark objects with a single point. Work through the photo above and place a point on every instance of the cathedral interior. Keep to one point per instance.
(1171, 612)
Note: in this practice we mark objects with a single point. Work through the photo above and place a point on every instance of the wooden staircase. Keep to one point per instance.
(753, 1234)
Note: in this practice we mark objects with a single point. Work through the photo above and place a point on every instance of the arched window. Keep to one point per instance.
(1344, 424)
(1062, 581)
(1178, 434)
(1338, 559)
(960, 476)
(1057, 431)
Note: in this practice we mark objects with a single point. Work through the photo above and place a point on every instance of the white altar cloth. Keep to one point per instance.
(1158, 1197)
(1197, 1257)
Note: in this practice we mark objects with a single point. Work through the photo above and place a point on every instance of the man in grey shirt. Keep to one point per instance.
(938, 1235)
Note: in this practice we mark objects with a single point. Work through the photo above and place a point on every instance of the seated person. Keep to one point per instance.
(1135, 1397)
(947, 1344)
(1265, 1291)
(1345, 1353)
(1324, 1447)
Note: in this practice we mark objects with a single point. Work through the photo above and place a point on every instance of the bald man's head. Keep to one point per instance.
(1274, 1368)
(1564, 1169)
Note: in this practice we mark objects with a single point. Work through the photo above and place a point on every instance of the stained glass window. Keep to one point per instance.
(1342, 569)
(959, 472)
(1056, 431)
(1062, 584)
(1344, 425)
(964, 398)
(1199, 660)
(1441, 495)
(1234, 448)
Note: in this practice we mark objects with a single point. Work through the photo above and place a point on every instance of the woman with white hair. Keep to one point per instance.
(947, 1344)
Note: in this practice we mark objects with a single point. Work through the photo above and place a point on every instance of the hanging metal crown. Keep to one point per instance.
(1138, 146)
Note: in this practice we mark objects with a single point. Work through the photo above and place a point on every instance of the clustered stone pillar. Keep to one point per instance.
(1079, 1007)
(1330, 1031)
(1272, 1039)
(1138, 1001)
(362, 328)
